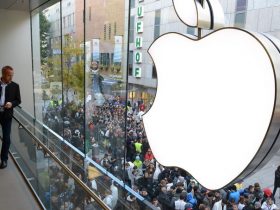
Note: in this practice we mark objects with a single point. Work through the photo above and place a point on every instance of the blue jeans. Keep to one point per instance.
(6, 141)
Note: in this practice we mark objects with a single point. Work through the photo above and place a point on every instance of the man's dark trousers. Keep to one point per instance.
(6, 124)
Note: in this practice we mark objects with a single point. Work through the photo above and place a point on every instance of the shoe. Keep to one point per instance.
(3, 164)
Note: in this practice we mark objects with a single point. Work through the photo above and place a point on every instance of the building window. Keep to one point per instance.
(57, 26)
(67, 39)
(105, 59)
(109, 31)
(132, 4)
(69, 20)
(190, 30)
(115, 28)
(112, 59)
(130, 63)
(64, 22)
(241, 5)
(73, 19)
(240, 20)
(131, 29)
(157, 24)
(105, 31)
(154, 73)
(89, 13)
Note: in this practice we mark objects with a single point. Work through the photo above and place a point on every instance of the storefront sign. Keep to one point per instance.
(138, 40)
(137, 72)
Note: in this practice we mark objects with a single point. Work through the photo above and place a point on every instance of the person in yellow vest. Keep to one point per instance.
(60, 102)
(52, 103)
(137, 162)
(239, 184)
(138, 146)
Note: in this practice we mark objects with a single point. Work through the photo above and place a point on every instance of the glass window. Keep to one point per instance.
(130, 63)
(154, 73)
(240, 20)
(131, 29)
(89, 13)
(105, 31)
(109, 31)
(115, 28)
(157, 24)
(132, 4)
(190, 30)
(64, 22)
(241, 5)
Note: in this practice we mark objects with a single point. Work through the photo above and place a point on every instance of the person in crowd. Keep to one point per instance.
(191, 198)
(180, 204)
(9, 98)
(249, 190)
(219, 204)
(115, 194)
(158, 170)
(239, 184)
(149, 155)
(105, 162)
(156, 204)
(165, 199)
(267, 193)
(144, 193)
(241, 203)
(258, 193)
(249, 201)
(276, 181)
(108, 200)
(137, 162)
(269, 204)
(257, 206)
(208, 199)
(132, 202)
(138, 146)
(129, 168)
(234, 195)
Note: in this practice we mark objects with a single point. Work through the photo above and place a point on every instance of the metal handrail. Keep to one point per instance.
(64, 167)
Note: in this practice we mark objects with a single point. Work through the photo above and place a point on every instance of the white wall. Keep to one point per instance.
(15, 50)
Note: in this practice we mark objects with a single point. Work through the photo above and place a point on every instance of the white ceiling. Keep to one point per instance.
(14, 4)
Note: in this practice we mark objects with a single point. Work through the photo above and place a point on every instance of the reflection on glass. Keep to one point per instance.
(73, 74)
(105, 82)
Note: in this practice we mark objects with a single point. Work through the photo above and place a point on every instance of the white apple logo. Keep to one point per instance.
(216, 111)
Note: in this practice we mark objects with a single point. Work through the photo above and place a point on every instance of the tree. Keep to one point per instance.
(78, 79)
(44, 38)
(73, 68)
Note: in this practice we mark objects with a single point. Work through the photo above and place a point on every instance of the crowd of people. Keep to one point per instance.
(116, 139)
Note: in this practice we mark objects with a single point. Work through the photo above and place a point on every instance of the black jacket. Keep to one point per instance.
(12, 94)
(277, 178)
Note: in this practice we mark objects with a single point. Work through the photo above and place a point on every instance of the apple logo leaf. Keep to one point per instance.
(210, 15)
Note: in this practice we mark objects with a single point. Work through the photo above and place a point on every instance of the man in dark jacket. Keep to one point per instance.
(276, 181)
(9, 98)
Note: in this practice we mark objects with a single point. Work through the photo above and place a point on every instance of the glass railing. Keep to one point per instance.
(62, 176)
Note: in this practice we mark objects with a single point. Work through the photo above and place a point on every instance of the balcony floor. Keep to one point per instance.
(14, 193)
